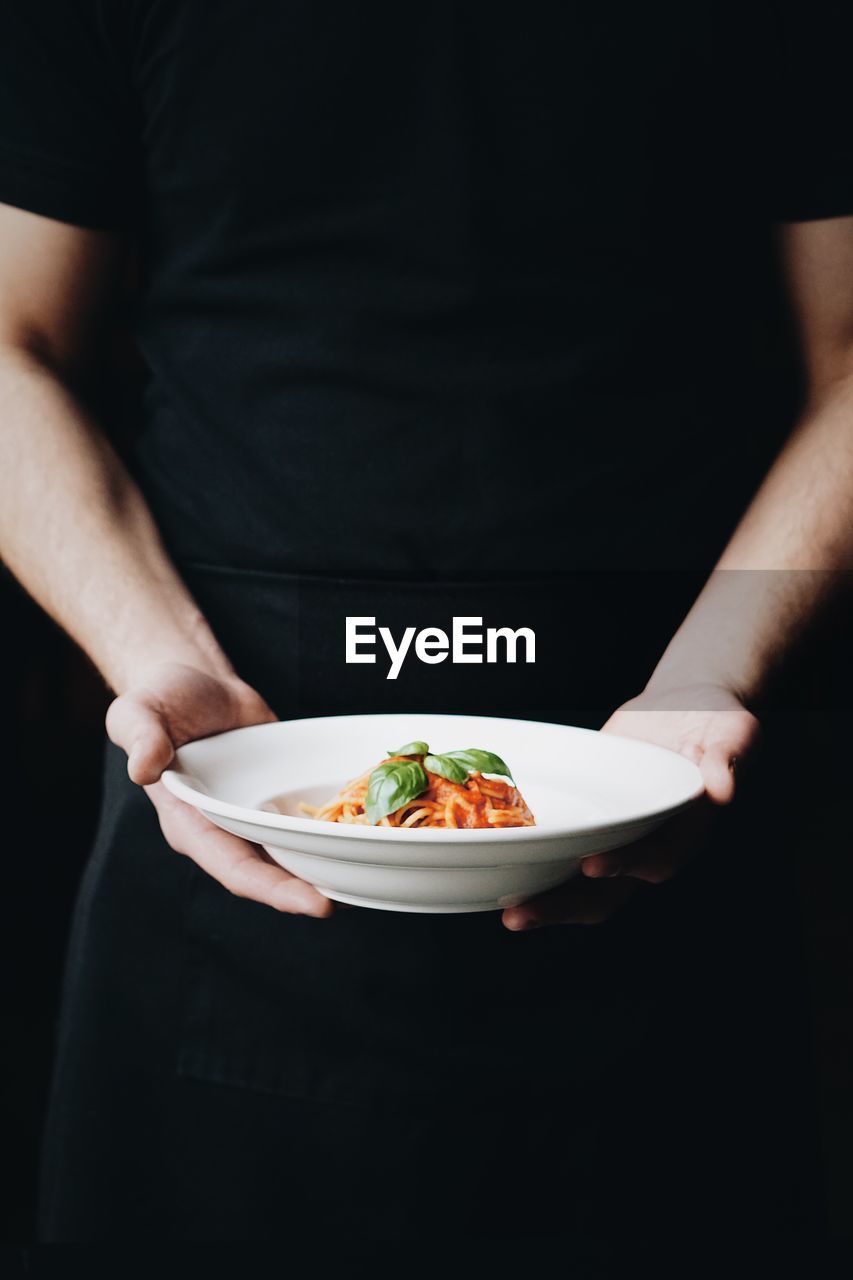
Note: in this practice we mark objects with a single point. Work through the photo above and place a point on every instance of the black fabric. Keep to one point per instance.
(227, 1073)
(427, 284)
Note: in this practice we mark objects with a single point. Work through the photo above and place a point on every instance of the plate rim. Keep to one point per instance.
(175, 781)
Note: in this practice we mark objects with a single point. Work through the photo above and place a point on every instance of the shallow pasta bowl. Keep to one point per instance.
(589, 792)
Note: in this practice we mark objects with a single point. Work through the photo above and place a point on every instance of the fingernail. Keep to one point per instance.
(520, 923)
(319, 910)
(606, 871)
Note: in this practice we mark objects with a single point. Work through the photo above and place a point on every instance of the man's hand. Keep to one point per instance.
(174, 704)
(708, 725)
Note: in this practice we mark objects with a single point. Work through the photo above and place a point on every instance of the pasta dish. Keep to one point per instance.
(414, 788)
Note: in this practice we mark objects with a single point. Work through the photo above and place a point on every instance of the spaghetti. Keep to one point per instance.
(477, 802)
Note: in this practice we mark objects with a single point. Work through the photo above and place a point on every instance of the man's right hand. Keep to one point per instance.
(173, 704)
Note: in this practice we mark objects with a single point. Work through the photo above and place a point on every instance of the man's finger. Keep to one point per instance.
(580, 901)
(236, 864)
(718, 773)
(140, 732)
(658, 856)
(723, 761)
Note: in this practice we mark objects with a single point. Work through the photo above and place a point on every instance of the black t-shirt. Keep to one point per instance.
(430, 288)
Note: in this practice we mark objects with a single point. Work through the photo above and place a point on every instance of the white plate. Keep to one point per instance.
(589, 792)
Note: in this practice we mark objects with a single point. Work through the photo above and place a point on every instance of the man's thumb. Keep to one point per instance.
(140, 731)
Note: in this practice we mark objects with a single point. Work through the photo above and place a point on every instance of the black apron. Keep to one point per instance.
(224, 1069)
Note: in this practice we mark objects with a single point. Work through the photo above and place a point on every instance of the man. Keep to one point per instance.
(440, 308)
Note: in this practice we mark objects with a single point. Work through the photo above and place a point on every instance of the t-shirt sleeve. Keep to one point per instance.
(66, 144)
(810, 110)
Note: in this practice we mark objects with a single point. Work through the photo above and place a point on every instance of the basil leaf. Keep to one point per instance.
(411, 749)
(445, 767)
(393, 784)
(479, 761)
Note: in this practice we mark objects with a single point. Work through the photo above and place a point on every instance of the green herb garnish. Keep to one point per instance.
(446, 767)
(391, 785)
(411, 749)
(477, 761)
(394, 783)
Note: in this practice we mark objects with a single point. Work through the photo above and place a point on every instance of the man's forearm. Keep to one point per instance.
(76, 532)
(791, 552)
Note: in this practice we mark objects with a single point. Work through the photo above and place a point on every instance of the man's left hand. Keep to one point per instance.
(710, 726)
